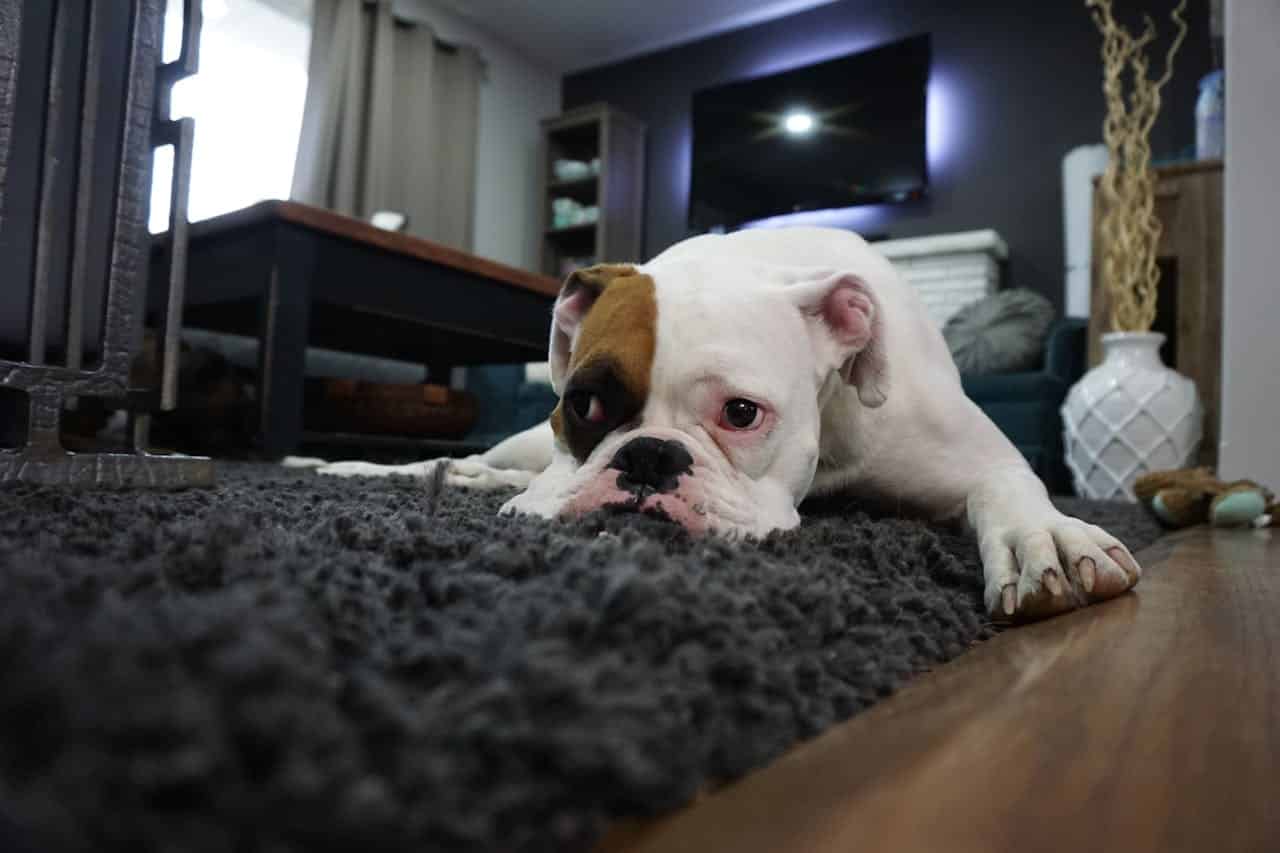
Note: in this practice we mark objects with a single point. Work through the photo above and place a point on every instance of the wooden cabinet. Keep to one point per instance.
(611, 145)
(1189, 305)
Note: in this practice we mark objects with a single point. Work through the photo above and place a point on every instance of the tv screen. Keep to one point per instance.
(839, 133)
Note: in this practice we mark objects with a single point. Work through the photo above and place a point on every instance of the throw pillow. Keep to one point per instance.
(1002, 333)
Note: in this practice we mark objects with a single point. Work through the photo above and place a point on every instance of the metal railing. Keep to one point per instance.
(67, 236)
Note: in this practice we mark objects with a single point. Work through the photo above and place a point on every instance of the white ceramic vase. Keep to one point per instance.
(1129, 415)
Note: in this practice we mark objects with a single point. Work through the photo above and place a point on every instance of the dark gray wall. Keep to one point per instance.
(1015, 85)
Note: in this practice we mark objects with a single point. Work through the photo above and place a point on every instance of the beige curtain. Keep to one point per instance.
(390, 121)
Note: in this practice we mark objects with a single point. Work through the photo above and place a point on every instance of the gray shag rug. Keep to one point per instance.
(296, 663)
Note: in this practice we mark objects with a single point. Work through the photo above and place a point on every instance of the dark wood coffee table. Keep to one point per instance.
(292, 275)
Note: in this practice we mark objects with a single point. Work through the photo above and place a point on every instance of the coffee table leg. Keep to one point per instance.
(286, 316)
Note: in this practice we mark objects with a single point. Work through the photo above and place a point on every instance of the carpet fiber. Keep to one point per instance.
(291, 662)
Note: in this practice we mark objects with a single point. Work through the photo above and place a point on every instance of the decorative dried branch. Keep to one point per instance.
(1130, 226)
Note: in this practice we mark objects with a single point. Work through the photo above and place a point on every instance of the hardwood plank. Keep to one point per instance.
(1148, 723)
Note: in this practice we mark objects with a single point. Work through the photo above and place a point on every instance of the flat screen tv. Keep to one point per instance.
(843, 132)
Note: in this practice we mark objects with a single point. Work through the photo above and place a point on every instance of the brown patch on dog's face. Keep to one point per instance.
(612, 359)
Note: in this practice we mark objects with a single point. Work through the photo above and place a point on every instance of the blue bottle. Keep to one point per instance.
(1211, 116)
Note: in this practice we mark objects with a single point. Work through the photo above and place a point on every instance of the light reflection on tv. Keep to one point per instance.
(843, 132)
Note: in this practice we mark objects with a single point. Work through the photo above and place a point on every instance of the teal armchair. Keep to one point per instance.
(1026, 405)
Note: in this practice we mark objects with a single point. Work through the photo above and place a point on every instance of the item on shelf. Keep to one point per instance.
(595, 165)
(1211, 116)
(1128, 416)
(572, 170)
(565, 212)
(1195, 496)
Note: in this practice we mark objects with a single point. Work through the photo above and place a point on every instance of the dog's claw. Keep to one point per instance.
(1051, 582)
(1009, 598)
(1088, 573)
(1124, 561)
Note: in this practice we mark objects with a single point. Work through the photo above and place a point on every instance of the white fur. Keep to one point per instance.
(727, 313)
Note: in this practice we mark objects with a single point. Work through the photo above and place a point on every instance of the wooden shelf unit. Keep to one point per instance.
(584, 133)
(1188, 199)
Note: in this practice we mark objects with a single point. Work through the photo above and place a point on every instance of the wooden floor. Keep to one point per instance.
(1148, 723)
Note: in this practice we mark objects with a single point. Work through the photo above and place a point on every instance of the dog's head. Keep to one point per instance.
(695, 388)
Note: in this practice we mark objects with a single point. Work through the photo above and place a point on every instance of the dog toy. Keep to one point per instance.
(1195, 496)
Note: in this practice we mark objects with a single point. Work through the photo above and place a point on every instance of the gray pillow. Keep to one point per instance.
(1003, 333)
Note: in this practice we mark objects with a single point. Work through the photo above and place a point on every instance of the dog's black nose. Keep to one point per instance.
(651, 464)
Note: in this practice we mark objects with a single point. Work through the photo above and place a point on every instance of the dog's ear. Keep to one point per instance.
(578, 293)
(847, 330)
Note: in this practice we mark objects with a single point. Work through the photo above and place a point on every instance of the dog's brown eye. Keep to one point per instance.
(740, 414)
(586, 406)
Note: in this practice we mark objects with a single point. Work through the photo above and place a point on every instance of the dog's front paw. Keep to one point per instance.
(370, 469)
(303, 462)
(1049, 563)
(471, 473)
(468, 473)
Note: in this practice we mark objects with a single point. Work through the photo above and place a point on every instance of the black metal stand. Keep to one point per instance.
(68, 237)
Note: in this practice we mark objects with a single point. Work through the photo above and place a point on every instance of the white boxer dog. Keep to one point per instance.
(733, 376)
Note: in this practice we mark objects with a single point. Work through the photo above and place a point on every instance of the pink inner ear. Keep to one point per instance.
(570, 310)
(848, 311)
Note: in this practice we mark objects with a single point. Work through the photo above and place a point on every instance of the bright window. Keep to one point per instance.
(246, 100)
